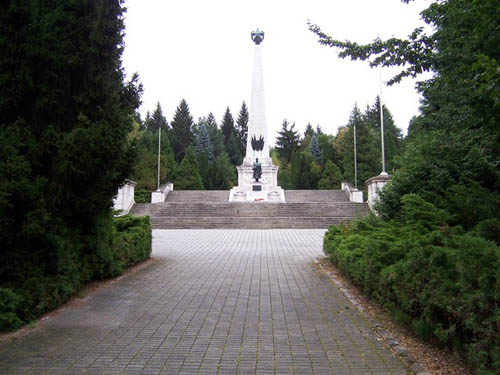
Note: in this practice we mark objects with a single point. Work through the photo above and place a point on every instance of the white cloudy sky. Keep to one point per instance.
(201, 50)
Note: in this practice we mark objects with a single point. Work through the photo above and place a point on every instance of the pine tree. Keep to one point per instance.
(156, 120)
(309, 130)
(287, 141)
(368, 160)
(222, 175)
(187, 176)
(233, 150)
(331, 178)
(203, 144)
(242, 128)
(392, 134)
(314, 149)
(181, 134)
(300, 170)
(216, 135)
(319, 131)
(227, 125)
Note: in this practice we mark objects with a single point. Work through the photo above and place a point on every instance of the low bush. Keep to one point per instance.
(112, 245)
(442, 281)
(142, 196)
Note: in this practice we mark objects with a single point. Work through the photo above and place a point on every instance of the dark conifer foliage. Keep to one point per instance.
(181, 135)
(156, 120)
(287, 141)
(368, 159)
(227, 125)
(65, 116)
(242, 128)
(314, 149)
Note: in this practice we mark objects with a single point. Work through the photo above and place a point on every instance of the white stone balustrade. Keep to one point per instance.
(160, 195)
(375, 184)
(355, 195)
(124, 200)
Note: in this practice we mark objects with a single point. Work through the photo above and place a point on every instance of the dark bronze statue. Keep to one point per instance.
(257, 36)
(257, 170)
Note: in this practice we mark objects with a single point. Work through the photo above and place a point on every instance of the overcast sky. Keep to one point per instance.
(201, 51)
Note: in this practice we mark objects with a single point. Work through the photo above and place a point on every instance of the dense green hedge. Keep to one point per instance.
(442, 281)
(121, 242)
(142, 196)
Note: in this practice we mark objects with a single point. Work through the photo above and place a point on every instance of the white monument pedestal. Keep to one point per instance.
(266, 189)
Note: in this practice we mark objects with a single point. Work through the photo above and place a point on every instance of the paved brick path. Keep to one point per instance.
(217, 302)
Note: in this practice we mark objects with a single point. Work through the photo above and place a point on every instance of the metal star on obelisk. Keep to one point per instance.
(257, 36)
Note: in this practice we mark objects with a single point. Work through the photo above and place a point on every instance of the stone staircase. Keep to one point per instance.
(211, 210)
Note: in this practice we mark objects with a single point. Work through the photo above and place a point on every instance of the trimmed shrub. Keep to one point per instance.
(142, 196)
(441, 281)
(110, 247)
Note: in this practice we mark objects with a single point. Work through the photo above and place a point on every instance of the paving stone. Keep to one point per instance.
(214, 302)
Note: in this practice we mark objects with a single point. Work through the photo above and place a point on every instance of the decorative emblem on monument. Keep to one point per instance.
(257, 144)
(257, 36)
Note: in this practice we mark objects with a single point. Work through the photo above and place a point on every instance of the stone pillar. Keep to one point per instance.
(257, 122)
(267, 188)
(124, 200)
(375, 184)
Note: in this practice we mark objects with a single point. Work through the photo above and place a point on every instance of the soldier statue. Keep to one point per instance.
(257, 170)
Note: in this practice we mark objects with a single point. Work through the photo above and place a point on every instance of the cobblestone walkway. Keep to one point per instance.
(216, 302)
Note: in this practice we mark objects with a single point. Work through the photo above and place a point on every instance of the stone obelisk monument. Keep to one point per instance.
(257, 176)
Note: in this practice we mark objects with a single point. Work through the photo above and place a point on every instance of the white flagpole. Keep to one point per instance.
(382, 123)
(159, 146)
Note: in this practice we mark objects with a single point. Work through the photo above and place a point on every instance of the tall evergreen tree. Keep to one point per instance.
(204, 151)
(331, 178)
(301, 175)
(231, 143)
(227, 125)
(65, 118)
(203, 144)
(156, 120)
(181, 134)
(368, 162)
(216, 135)
(392, 134)
(187, 176)
(242, 128)
(309, 130)
(222, 174)
(314, 149)
(287, 141)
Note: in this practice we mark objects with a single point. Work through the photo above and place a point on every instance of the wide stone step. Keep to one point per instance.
(310, 196)
(211, 209)
(246, 222)
(198, 196)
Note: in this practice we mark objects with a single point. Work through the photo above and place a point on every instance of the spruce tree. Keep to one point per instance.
(227, 125)
(392, 134)
(222, 175)
(181, 133)
(242, 128)
(156, 120)
(216, 135)
(287, 141)
(314, 149)
(309, 130)
(368, 159)
(187, 176)
(331, 178)
(203, 144)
